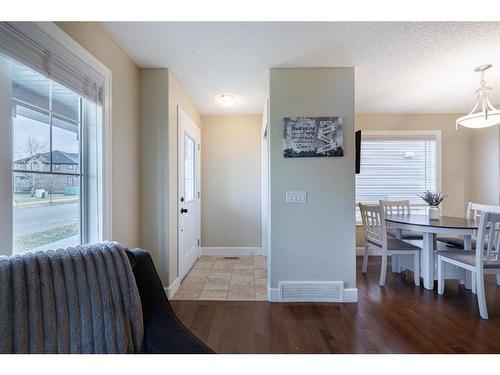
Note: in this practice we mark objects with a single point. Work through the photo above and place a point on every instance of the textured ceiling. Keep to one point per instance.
(400, 67)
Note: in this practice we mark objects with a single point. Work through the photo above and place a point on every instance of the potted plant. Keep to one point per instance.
(433, 200)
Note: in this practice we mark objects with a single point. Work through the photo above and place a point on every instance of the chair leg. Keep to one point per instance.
(383, 270)
(481, 296)
(365, 259)
(416, 268)
(440, 275)
(498, 279)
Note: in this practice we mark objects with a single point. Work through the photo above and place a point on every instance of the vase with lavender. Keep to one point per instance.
(433, 200)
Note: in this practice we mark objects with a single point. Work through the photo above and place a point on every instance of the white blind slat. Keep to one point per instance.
(396, 167)
(18, 40)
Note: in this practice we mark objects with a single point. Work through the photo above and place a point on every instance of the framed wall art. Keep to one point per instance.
(305, 137)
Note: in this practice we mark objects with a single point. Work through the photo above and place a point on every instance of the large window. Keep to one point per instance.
(47, 134)
(53, 141)
(398, 165)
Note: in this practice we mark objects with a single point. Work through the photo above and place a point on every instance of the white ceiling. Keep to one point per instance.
(400, 67)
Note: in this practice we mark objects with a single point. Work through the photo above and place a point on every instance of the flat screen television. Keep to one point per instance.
(358, 150)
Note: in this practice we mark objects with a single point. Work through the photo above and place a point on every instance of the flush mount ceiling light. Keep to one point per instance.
(226, 100)
(483, 114)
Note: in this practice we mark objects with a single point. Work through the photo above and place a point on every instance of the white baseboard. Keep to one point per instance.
(172, 288)
(273, 294)
(229, 251)
(360, 251)
(350, 295)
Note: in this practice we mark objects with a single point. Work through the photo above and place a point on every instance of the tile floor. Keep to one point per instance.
(218, 278)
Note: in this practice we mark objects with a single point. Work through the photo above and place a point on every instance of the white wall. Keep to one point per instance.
(230, 184)
(313, 241)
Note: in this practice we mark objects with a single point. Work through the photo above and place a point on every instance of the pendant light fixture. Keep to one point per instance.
(483, 114)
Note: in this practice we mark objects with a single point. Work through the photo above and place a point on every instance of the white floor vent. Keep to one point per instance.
(312, 291)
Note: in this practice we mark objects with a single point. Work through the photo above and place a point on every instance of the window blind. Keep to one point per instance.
(22, 41)
(396, 167)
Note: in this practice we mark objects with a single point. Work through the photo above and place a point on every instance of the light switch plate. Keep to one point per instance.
(296, 196)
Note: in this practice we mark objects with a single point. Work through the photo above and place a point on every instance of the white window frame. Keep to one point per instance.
(50, 32)
(409, 133)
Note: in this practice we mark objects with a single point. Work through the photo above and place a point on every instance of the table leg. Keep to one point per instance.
(467, 242)
(394, 257)
(428, 260)
(469, 282)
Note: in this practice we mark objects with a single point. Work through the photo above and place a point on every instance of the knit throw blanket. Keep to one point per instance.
(77, 300)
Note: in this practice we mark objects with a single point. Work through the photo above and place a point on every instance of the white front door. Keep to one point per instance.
(189, 192)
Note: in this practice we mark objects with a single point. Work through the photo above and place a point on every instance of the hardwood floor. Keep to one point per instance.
(399, 318)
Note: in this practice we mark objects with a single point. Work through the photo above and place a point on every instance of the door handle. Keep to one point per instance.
(184, 210)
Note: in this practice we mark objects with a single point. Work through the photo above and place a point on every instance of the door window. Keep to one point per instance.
(189, 168)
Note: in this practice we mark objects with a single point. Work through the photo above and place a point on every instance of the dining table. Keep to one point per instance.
(446, 225)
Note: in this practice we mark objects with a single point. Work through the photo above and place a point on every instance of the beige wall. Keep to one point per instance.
(455, 152)
(154, 171)
(125, 119)
(230, 183)
(484, 166)
(161, 94)
(313, 241)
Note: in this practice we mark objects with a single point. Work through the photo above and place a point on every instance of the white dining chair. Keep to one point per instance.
(399, 207)
(396, 207)
(375, 234)
(473, 212)
(479, 262)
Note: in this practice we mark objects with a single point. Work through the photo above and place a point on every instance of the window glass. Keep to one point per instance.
(66, 144)
(30, 87)
(31, 142)
(189, 168)
(46, 206)
(65, 102)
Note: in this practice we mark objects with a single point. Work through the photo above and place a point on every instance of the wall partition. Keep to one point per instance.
(312, 245)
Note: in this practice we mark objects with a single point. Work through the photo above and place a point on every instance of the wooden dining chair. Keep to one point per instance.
(375, 233)
(399, 207)
(479, 262)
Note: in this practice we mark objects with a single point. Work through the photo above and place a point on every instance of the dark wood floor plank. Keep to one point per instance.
(399, 318)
